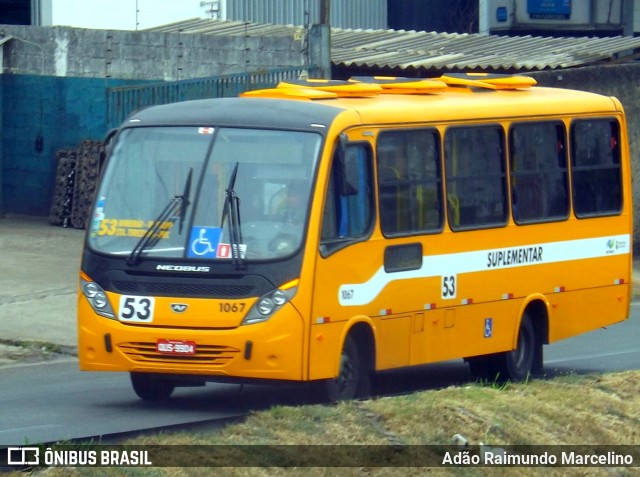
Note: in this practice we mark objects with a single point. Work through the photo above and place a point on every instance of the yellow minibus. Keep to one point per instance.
(322, 231)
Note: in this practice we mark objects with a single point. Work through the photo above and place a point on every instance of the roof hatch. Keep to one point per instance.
(367, 86)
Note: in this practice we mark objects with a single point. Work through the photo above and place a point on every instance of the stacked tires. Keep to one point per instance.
(77, 174)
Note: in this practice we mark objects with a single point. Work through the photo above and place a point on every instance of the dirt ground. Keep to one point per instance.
(38, 289)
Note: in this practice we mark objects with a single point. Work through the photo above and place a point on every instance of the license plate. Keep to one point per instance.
(176, 347)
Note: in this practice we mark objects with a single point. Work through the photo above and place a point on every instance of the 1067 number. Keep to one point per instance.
(231, 307)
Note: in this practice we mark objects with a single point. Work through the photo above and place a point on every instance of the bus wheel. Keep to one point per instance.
(516, 365)
(484, 367)
(519, 363)
(345, 385)
(151, 388)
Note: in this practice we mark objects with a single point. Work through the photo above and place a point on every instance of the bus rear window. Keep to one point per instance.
(595, 161)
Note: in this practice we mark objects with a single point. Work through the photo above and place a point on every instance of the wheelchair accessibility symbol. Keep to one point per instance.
(488, 327)
(203, 242)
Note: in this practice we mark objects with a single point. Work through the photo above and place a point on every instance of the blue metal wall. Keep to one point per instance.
(40, 115)
(1, 146)
(429, 15)
(15, 12)
(124, 100)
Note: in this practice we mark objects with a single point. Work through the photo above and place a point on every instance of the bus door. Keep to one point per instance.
(411, 208)
(346, 255)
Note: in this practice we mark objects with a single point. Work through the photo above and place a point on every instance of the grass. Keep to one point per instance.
(20, 351)
(570, 410)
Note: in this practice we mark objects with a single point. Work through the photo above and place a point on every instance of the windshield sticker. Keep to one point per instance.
(224, 251)
(203, 242)
(204, 130)
(98, 216)
(130, 228)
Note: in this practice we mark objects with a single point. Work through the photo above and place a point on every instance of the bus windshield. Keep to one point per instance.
(205, 193)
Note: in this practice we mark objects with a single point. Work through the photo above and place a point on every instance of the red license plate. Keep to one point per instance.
(177, 347)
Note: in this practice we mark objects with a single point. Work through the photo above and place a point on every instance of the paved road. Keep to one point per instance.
(50, 402)
(54, 401)
(615, 348)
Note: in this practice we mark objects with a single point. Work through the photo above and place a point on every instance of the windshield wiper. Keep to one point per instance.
(152, 236)
(185, 200)
(231, 209)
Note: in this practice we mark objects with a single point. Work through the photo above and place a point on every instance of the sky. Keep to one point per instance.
(121, 14)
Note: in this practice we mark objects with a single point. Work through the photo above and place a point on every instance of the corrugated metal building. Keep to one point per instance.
(420, 53)
(344, 13)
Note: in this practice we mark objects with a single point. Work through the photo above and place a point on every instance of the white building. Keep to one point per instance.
(514, 17)
(560, 16)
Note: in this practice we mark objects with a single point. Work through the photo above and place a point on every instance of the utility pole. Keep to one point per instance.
(214, 8)
(628, 17)
(320, 41)
(325, 12)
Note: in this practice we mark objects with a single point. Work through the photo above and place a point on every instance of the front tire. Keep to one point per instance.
(345, 386)
(151, 388)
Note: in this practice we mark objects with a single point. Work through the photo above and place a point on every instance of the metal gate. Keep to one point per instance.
(124, 100)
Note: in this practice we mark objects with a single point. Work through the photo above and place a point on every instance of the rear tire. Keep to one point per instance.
(515, 365)
(484, 367)
(518, 364)
(151, 388)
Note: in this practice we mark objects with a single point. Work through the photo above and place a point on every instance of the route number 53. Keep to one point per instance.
(449, 286)
(137, 309)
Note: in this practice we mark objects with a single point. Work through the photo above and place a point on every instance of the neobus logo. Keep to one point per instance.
(179, 307)
(182, 268)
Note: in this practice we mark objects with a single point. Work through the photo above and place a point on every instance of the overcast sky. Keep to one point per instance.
(121, 14)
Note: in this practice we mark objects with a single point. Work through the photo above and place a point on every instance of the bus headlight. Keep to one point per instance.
(97, 298)
(271, 302)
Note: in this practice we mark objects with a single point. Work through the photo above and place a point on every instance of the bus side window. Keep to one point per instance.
(538, 166)
(475, 177)
(409, 182)
(390, 173)
(595, 162)
(348, 210)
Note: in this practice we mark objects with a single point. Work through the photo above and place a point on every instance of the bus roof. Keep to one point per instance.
(237, 112)
(478, 105)
(303, 105)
